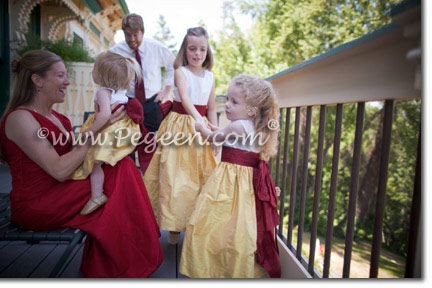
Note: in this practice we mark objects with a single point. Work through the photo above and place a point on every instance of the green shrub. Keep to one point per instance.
(67, 50)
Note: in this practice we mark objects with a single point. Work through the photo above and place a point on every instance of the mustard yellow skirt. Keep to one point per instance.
(220, 239)
(177, 171)
(115, 143)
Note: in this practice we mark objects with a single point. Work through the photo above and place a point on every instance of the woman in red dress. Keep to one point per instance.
(122, 237)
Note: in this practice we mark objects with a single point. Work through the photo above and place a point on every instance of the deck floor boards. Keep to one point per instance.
(27, 262)
(21, 260)
(72, 267)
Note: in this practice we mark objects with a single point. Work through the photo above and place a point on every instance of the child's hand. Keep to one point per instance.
(212, 127)
(278, 191)
(198, 126)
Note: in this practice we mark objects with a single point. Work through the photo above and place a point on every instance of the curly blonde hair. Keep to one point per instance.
(116, 71)
(259, 93)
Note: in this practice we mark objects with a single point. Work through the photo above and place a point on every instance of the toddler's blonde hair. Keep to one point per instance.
(116, 71)
(260, 94)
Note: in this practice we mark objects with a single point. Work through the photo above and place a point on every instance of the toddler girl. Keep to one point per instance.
(113, 73)
(177, 173)
(231, 231)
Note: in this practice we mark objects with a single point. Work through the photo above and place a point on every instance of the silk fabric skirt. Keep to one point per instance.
(220, 239)
(116, 142)
(177, 172)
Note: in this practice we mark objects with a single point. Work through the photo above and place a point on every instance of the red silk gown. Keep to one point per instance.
(122, 236)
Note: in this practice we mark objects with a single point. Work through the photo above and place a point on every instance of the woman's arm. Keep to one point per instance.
(22, 129)
(211, 106)
(180, 82)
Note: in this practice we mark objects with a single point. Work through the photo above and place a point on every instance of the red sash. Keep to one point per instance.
(178, 107)
(135, 111)
(265, 205)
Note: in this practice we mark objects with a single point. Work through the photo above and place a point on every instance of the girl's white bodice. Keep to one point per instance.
(198, 88)
(119, 96)
(250, 143)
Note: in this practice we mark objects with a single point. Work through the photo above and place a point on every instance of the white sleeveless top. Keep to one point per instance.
(250, 143)
(119, 96)
(198, 88)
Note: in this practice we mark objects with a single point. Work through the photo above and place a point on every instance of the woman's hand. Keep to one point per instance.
(118, 114)
(115, 116)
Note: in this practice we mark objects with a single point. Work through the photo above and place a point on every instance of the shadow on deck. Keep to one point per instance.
(21, 260)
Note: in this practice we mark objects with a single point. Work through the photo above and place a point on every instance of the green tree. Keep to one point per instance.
(164, 36)
(287, 32)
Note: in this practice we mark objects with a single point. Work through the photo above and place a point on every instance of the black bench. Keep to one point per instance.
(9, 231)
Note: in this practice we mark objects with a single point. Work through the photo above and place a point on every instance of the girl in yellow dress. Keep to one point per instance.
(231, 231)
(178, 171)
(113, 73)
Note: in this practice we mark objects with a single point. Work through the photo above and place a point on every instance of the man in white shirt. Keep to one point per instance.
(152, 56)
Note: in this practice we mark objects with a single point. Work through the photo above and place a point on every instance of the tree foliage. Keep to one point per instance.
(287, 32)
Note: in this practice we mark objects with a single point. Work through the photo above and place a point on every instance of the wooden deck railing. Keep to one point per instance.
(346, 75)
(288, 181)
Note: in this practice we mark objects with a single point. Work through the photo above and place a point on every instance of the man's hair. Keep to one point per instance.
(133, 21)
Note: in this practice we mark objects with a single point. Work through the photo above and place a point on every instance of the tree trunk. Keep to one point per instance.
(369, 180)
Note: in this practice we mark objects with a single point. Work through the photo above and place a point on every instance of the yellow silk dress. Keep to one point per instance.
(114, 143)
(177, 172)
(220, 238)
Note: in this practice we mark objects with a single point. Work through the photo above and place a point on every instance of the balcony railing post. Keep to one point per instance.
(333, 185)
(279, 151)
(284, 170)
(317, 193)
(410, 269)
(382, 187)
(304, 182)
(353, 189)
(293, 178)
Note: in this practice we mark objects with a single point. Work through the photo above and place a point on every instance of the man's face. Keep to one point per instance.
(133, 38)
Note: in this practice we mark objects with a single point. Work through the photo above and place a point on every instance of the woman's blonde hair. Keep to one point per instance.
(260, 94)
(116, 71)
(37, 62)
(181, 59)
